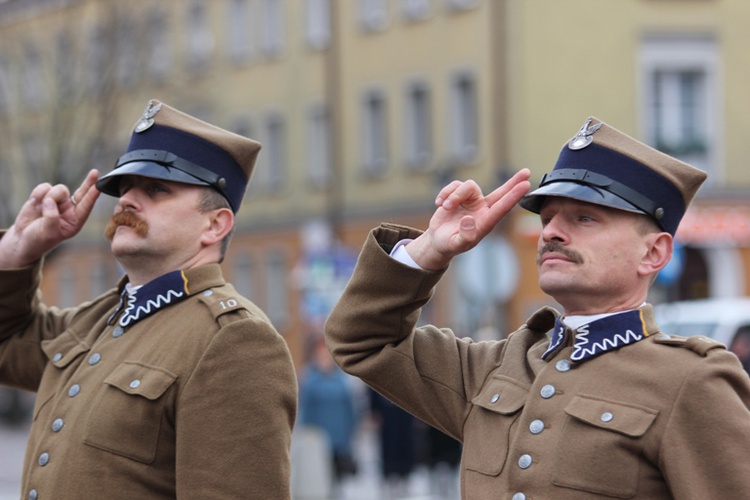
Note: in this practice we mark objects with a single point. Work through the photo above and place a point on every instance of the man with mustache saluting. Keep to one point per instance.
(594, 403)
(172, 385)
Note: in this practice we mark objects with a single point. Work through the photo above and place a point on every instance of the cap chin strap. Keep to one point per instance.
(597, 180)
(168, 159)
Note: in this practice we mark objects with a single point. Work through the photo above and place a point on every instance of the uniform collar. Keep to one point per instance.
(140, 302)
(602, 333)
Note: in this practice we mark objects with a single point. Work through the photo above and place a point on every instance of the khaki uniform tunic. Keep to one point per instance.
(663, 417)
(196, 400)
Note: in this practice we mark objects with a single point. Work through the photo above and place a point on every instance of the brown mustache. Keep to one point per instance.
(556, 247)
(129, 219)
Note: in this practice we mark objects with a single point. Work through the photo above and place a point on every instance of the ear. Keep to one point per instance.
(657, 253)
(219, 224)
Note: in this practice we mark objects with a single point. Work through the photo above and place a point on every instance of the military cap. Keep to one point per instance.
(604, 166)
(171, 145)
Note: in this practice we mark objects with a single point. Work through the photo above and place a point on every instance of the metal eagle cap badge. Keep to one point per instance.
(584, 136)
(147, 119)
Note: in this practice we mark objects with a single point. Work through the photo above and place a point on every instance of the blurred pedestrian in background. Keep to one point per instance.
(741, 346)
(326, 403)
(399, 439)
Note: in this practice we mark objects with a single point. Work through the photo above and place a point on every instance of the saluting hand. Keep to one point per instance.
(50, 216)
(464, 216)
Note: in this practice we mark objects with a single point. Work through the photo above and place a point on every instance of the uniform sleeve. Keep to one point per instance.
(705, 450)
(235, 416)
(371, 333)
(24, 323)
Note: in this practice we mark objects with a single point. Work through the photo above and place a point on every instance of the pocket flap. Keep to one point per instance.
(64, 348)
(628, 419)
(135, 378)
(502, 395)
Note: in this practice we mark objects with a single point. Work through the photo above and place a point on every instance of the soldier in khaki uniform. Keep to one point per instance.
(594, 403)
(172, 385)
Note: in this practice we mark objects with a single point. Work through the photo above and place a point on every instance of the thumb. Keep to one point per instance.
(467, 232)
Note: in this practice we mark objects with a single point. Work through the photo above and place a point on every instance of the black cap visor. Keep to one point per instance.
(110, 183)
(574, 190)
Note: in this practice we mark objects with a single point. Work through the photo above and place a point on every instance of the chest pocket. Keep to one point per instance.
(490, 424)
(600, 448)
(128, 412)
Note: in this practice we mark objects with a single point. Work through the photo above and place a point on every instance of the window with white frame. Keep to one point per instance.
(416, 10)
(318, 23)
(242, 30)
(679, 103)
(276, 288)
(274, 147)
(158, 64)
(272, 41)
(319, 147)
(464, 117)
(243, 275)
(200, 41)
(418, 134)
(373, 14)
(374, 133)
(461, 4)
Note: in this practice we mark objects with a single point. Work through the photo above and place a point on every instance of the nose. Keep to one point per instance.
(553, 230)
(129, 200)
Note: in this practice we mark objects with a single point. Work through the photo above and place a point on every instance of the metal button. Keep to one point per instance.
(606, 417)
(494, 399)
(525, 461)
(95, 358)
(548, 391)
(135, 383)
(563, 365)
(44, 459)
(519, 496)
(57, 425)
(536, 427)
(33, 495)
(57, 356)
(74, 390)
(118, 331)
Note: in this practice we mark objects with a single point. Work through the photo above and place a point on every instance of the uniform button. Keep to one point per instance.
(57, 356)
(95, 358)
(208, 293)
(494, 399)
(58, 424)
(519, 496)
(548, 391)
(44, 459)
(118, 331)
(536, 427)
(525, 461)
(606, 417)
(74, 390)
(563, 365)
(135, 383)
(33, 495)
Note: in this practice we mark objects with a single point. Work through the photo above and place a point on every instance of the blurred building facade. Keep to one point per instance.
(365, 108)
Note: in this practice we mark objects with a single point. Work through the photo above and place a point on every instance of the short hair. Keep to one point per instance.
(211, 199)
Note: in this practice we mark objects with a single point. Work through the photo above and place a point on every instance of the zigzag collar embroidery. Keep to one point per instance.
(151, 297)
(605, 334)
